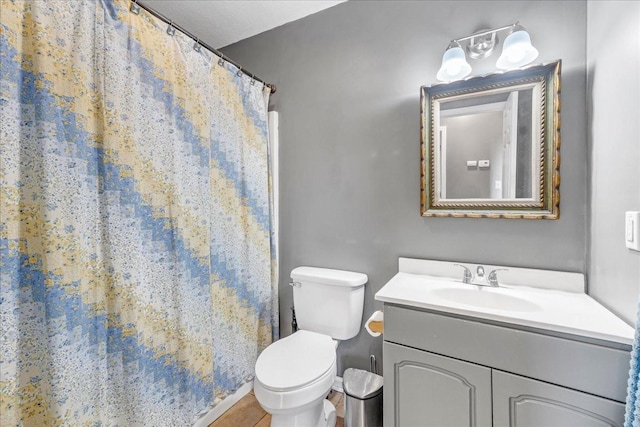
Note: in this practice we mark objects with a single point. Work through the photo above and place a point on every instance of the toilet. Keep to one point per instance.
(294, 375)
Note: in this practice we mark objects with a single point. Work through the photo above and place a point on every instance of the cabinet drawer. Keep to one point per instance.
(522, 402)
(591, 368)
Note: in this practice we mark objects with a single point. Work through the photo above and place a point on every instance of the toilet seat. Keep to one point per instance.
(296, 361)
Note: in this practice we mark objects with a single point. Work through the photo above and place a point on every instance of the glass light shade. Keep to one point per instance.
(454, 65)
(517, 51)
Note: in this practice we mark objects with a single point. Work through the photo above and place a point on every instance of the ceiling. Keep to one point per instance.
(219, 23)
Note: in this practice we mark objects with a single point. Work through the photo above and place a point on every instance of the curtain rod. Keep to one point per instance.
(135, 5)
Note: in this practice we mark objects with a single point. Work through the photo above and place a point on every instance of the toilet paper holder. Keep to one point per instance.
(375, 324)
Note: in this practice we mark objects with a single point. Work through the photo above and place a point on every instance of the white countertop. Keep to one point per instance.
(572, 313)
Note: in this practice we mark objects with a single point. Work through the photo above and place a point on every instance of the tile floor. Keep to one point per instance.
(248, 413)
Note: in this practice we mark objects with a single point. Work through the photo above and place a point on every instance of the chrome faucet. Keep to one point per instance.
(467, 276)
(492, 278)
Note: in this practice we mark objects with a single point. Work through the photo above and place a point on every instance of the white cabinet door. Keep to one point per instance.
(424, 389)
(523, 402)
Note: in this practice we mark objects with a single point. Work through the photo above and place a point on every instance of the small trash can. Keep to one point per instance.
(362, 398)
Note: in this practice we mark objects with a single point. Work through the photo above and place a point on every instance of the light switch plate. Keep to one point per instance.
(632, 230)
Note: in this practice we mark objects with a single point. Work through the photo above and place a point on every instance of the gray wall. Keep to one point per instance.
(348, 95)
(472, 137)
(525, 145)
(613, 52)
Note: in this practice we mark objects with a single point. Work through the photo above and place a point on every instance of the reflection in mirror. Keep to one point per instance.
(490, 145)
(487, 145)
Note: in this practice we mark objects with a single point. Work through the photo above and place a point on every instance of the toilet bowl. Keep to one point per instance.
(294, 376)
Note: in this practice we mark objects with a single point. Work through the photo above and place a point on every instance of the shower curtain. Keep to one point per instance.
(137, 255)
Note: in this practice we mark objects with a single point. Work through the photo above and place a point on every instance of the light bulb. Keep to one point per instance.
(453, 69)
(517, 50)
(454, 64)
(516, 54)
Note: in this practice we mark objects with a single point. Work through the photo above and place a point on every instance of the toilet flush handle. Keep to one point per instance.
(295, 284)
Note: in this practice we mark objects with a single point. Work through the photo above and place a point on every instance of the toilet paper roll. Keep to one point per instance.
(375, 324)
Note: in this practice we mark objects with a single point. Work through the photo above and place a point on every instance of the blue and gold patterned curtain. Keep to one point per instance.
(137, 257)
(632, 413)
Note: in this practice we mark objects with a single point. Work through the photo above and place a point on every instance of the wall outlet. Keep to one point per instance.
(632, 230)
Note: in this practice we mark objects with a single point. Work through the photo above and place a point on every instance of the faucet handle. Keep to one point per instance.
(466, 278)
(492, 278)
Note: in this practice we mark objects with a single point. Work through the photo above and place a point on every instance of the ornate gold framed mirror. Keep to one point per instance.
(490, 145)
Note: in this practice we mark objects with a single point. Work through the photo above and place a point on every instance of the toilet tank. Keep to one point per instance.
(328, 301)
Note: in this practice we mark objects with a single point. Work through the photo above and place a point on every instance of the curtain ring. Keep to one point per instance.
(197, 46)
(253, 80)
(171, 30)
(221, 60)
(239, 73)
(135, 7)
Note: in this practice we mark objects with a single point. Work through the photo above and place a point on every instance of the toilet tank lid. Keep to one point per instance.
(328, 276)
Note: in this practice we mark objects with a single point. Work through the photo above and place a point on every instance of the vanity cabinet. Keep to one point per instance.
(446, 370)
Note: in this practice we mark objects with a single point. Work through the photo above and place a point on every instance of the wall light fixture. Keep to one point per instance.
(517, 51)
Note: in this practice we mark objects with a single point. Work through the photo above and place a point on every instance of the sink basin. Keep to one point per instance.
(485, 298)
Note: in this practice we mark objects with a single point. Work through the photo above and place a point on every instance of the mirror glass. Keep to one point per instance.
(490, 145)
